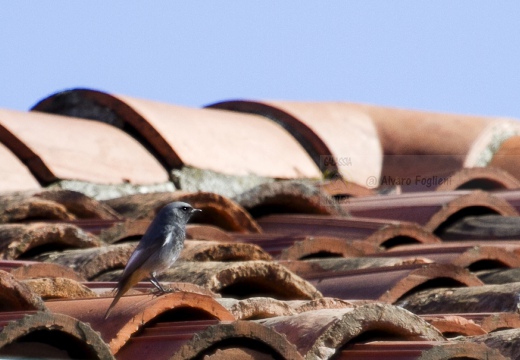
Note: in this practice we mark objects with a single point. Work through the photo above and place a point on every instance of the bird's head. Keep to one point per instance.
(178, 212)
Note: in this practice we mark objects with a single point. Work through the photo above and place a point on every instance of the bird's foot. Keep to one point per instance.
(159, 292)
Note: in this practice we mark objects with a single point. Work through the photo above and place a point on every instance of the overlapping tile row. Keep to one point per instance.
(364, 270)
(196, 149)
(296, 254)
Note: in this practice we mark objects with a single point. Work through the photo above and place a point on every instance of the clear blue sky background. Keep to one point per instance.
(452, 56)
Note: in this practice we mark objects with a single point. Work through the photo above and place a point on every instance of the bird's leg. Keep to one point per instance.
(158, 285)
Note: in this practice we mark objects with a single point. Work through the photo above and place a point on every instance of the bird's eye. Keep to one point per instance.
(184, 208)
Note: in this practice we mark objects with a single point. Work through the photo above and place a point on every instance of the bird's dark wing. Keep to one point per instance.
(146, 248)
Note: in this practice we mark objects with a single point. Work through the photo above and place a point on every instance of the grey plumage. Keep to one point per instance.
(158, 249)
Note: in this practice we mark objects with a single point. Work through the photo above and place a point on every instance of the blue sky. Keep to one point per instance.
(449, 56)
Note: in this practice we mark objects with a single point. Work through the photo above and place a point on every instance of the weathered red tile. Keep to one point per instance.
(464, 254)
(389, 284)
(420, 350)
(325, 267)
(483, 178)
(384, 233)
(133, 314)
(216, 209)
(266, 307)
(176, 134)
(29, 240)
(63, 205)
(217, 251)
(341, 140)
(505, 341)
(90, 263)
(459, 300)
(34, 270)
(322, 246)
(287, 197)
(14, 175)
(425, 144)
(211, 342)
(433, 210)
(239, 279)
(58, 288)
(340, 189)
(506, 156)
(323, 333)
(57, 147)
(500, 321)
(454, 325)
(52, 336)
(207, 232)
(16, 296)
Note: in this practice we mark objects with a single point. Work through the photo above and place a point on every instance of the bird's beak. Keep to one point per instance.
(195, 210)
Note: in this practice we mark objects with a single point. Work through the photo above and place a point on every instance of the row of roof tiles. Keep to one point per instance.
(310, 270)
(156, 143)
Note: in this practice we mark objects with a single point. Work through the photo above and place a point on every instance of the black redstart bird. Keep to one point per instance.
(158, 249)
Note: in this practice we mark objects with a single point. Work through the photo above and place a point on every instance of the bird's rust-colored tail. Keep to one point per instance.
(123, 286)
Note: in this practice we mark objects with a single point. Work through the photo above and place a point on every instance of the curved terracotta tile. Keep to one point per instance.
(89, 263)
(287, 197)
(327, 246)
(389, 284)
(483, 178)
(243, 279)
(476, 199)
(384, 233)
(79, 204)
(433, 210)
(58, 288)
(16, 208)
(16, 296)
(218, 338)
(499, 276)
(314, 268)
(323, 333)
(422, 350)
(506, 157)
(14, 175)
(39, 270)
(256, 307)
(507, 342)
(427, 273)
(207, 232)
(468, 255)
(340, 189)
(419, 143)
(216, 251)
(56, 147)
(78, 339)
(134, 314)
(29, 240)
(62, 205)
(454, 325)
(104, 287)
(300, 306)
(461, 300)
(500, 321)
(340, 139)
(175, 134)
(265, 307)
(216, 209)
(126, 230)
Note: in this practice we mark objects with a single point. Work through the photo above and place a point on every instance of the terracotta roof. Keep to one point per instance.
(296, 255)
(176, 134)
